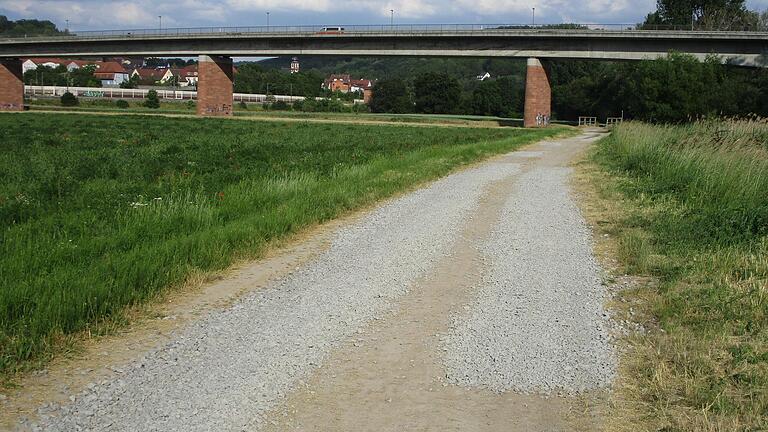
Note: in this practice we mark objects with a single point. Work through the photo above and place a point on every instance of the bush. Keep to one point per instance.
(123, 104)
(280, 106)
(68, 100)
(153, 101)
(190, 105)
(243, 105)
(361, 108)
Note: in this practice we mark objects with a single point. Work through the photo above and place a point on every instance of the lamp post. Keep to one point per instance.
(267, 19)
(533, 18)
(391, 17)
(160, 18)
(66, 30)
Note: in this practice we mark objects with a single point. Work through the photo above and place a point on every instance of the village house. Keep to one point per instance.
(186, 76)
(111, 73)
(33, 63)
(153, 75)
(345, 84)
(483, 77)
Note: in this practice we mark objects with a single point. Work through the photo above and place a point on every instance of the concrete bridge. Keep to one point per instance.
(216, 46)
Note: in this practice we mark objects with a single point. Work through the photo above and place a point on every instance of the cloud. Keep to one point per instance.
(105, 14)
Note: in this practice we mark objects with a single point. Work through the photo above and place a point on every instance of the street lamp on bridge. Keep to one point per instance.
(160, 18)
(267, 19)
(391, 17)
(533, 18)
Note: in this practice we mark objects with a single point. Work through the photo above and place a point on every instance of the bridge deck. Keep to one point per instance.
(741, 48)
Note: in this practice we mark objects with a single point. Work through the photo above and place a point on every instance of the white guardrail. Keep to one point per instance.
(120, 93)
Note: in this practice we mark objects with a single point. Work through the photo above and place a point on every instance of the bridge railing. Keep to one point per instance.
(376, 29)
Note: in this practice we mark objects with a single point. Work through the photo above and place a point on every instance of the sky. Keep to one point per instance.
(135, 14)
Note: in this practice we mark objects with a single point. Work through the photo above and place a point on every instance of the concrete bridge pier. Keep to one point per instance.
(214, 86)
(538, 95)
(11, 85)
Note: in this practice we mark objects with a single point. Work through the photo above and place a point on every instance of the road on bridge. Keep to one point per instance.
(472, 304)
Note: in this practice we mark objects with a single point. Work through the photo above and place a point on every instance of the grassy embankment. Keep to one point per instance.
(257, 111)
(692, 211)
(102, 212)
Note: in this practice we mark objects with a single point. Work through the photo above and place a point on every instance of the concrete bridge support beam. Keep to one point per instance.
(538, 95)
(214, 86)
(11, 85)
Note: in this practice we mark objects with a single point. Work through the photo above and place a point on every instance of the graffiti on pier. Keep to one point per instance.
(11, 107)
(223, 109)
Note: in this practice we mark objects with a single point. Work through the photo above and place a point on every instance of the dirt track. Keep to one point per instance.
(352, 353)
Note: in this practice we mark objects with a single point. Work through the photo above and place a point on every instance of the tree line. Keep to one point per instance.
(25, 27)
(674, 88)
(253, 78)
(60, 76)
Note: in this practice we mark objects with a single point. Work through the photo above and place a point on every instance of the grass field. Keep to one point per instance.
(256, 110)
(102, 212)
(694, 215)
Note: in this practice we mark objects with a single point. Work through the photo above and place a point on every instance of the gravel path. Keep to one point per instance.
(537, 324)
(225, 371)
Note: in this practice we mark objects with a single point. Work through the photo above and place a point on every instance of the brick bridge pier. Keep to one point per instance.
(538, 95)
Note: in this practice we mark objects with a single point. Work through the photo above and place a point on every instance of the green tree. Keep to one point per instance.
(131, 83)
(26, 28)
(703, 14)
(83, 77)
(436, 93)
(487, 99)
(391, 96)
(512, 90)
(153, 101)
(252, 78)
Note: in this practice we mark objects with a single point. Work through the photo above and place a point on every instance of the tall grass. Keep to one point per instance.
(699, 195)
(101, 212)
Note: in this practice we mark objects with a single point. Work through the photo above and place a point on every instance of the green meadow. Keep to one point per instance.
(99, 213)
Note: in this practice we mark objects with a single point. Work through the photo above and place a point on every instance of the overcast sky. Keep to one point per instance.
(104, 14)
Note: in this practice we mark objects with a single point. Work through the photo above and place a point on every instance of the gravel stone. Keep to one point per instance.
(537, 323)
(224, 371)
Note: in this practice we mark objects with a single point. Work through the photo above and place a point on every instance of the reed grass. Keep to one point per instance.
(697, 219)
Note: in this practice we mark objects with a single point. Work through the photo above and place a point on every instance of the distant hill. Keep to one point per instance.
(24, 27)
(463, 69)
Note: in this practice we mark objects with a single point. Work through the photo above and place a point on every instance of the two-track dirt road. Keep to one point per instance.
(472, 304)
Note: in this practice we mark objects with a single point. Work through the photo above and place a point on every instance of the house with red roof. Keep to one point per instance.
(186, 76)
(111, 73)
(344, 83)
